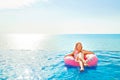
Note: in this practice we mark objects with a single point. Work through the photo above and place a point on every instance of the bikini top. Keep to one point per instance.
(75, 54)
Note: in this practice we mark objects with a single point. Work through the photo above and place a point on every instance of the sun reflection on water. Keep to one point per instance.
(26, 41)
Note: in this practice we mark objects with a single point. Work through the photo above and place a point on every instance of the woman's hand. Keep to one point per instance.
(77, 59)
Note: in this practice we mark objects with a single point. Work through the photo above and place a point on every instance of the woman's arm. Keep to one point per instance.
(71, 54)
(87, 52)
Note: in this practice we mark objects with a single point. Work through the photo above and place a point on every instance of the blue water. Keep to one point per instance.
(46, 62)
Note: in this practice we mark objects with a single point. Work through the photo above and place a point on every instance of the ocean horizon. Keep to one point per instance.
(40, 41)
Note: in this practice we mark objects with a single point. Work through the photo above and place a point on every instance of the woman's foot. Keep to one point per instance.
(85, 64)
(82, 69)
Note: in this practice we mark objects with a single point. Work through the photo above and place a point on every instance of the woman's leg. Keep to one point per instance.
(81, 56)
(81, 64)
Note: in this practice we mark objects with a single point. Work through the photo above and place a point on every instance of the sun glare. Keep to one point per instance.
(27, 41)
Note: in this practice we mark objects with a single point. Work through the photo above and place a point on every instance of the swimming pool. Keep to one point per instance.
(48, 63)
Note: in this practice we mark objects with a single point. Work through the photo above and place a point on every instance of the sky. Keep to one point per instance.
(60, 16)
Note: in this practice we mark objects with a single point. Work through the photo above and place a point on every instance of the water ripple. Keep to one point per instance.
(45, 65)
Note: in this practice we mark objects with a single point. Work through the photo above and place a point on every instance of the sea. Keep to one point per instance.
(41, 56)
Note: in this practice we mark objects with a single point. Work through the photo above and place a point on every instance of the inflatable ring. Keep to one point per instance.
(90, 58)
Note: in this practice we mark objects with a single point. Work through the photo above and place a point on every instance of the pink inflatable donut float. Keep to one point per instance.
(90, 58)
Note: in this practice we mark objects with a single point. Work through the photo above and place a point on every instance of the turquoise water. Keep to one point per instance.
(45, 60)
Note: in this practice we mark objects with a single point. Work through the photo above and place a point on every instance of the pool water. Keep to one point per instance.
(31, 65)
(48, 64)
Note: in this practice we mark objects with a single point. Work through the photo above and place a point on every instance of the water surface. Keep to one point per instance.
(40, 57)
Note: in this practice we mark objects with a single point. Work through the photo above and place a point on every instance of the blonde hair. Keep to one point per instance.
(77, 45)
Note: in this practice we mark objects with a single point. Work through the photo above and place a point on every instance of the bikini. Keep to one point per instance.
(76, 54)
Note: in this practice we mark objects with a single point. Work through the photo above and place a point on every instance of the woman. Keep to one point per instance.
(79, 55)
